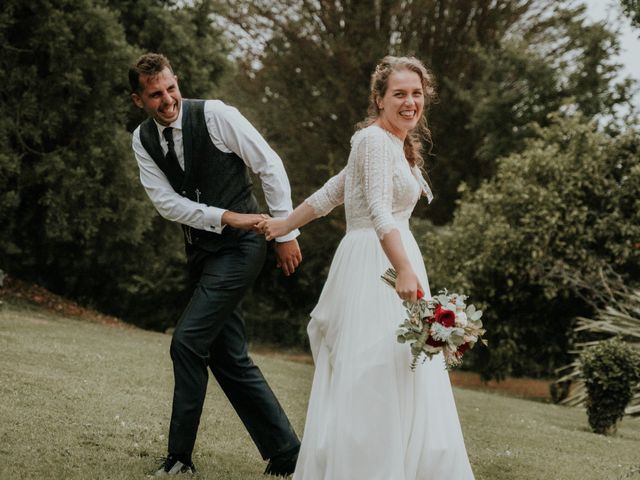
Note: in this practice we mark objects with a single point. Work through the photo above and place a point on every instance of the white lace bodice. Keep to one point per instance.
(378, 187)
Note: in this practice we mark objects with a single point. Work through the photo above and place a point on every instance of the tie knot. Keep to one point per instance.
(168, 135)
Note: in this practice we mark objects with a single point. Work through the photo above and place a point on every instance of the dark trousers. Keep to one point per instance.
(211, 334)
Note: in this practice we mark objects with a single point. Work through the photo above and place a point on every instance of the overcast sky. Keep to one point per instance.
(630, 43)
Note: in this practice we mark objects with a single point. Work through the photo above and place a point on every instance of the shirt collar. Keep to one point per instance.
(177, 123)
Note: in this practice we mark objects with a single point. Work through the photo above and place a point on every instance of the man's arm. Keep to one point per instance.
(170, 204)
(231, 131)
(175, 207)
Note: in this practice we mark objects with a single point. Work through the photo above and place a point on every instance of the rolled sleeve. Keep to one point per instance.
(230, 131)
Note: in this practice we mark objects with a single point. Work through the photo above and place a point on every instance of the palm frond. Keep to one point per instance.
(622, 319)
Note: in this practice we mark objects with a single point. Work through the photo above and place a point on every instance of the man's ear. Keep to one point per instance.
(137, 100)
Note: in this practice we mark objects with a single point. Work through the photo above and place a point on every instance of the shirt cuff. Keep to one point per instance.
(289, 236)
(213, 219)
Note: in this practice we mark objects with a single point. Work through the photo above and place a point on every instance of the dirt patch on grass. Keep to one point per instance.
(531, 388)
(19, 292)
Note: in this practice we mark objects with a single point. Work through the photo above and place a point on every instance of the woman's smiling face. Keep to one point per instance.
(402, 104)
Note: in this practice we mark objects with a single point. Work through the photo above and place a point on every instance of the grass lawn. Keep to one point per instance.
(81, 400)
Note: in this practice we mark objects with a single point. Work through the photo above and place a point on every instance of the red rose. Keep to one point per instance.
(420, 294)
(445, 317)
(434, 343)
(462, 348)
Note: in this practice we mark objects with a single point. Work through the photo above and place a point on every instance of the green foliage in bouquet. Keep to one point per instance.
(611, 371)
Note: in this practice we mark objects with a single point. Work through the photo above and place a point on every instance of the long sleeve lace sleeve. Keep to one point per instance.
(329, 196)
(377, 177)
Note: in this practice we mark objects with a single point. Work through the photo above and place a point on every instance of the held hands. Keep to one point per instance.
(274, 227)
(287, 253)
(258, 222)
(243, 221)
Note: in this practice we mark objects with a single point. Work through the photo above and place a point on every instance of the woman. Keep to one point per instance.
(370, 417)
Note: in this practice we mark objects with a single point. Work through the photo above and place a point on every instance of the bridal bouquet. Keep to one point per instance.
(443, 323)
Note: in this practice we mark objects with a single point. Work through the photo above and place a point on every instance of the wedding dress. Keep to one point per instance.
(370, 417)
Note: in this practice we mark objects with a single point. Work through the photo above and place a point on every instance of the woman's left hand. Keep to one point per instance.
(274, 227)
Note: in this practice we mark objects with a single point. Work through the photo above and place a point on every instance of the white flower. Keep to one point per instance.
(440, 333)
(449, 306)
(461, 319)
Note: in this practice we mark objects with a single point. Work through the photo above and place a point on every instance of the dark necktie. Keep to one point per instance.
(171, 157)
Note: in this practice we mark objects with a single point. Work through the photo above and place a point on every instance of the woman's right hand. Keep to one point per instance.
(408, 285)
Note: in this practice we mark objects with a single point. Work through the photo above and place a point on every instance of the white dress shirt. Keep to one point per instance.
(230, 132)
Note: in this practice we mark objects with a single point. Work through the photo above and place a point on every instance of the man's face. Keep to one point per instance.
(159, 97)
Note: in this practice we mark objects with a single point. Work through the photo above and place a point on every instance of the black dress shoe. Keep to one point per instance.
(171, 465)
(283, 464)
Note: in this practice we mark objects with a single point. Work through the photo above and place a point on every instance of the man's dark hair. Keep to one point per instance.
(150, 64)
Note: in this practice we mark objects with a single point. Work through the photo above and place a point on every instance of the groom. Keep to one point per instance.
(194, 157)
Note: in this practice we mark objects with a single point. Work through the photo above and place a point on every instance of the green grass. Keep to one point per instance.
(86, 401)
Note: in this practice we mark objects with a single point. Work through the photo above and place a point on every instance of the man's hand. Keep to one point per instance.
(289, 256)
(243, 221)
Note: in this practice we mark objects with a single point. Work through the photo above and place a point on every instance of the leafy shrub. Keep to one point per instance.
(566, 207)
(619, 317)
(611, 371)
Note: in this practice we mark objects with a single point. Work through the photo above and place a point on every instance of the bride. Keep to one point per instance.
(370, 417)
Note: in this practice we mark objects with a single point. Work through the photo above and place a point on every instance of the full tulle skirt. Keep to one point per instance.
(370, 417)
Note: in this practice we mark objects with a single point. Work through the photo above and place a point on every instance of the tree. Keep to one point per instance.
(184, 33)
(632, 10)
(66, 150)
(75, 218)
(565, 207)
(501, 68)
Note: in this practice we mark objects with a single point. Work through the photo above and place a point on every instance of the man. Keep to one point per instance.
(194, 157)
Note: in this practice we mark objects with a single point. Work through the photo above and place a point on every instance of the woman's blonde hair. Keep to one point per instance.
(379, 84)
